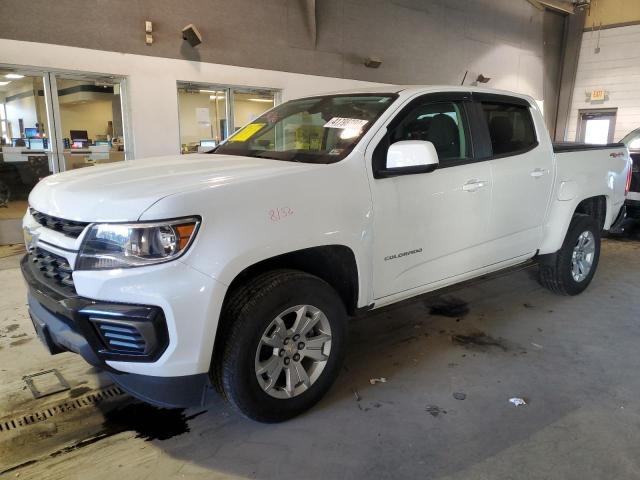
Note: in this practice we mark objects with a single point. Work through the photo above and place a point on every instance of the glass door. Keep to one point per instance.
(597, 126)
(51, 123)
(26, 147)
(203, 114)
(90, 126)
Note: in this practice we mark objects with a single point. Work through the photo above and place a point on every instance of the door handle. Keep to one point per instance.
(473, 185)
(538, 172)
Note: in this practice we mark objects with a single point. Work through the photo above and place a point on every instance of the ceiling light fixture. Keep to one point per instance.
(2, 84)
(15, 76)
(209, 91)
(264, 100)
(216, 97)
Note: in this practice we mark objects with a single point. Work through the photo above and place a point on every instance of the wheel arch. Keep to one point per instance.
(597, 206)
(335, 264)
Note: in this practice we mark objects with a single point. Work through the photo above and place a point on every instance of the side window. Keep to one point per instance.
(510, 128)
(441, 123)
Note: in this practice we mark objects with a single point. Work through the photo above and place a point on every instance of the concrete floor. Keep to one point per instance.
(574, 360)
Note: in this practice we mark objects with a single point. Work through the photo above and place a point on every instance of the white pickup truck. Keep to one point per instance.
(237, 270)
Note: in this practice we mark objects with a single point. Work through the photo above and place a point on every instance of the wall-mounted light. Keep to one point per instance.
(372, 62)
(15, 76)
(191, 34)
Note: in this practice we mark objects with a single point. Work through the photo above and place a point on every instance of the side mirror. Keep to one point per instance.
(410, 157)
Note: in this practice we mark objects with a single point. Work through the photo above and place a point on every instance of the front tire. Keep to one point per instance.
(283, 344)
(570, 270)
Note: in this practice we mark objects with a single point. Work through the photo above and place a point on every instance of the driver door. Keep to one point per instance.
(429, 227)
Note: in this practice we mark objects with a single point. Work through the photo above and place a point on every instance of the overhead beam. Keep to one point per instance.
(559, 5)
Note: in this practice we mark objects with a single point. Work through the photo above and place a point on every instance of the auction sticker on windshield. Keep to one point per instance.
(247, 132)
(340, 122)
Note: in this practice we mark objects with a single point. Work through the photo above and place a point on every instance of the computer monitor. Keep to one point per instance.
(31, 132)
(37, 144)
(79, 136)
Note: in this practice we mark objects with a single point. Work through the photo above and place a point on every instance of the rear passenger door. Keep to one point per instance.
(522, 172)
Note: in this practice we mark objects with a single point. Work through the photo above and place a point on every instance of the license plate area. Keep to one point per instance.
(43, 334)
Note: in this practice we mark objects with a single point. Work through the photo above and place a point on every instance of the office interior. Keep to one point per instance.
(89, 111)
(210, 113)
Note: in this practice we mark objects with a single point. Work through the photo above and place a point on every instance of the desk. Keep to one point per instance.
(21, 168)
(85, 157)
(22, 154)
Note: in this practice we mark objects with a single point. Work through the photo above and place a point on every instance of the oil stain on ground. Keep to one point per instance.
(480, 341)
(20, 342)
(149, 422)
(448, 307)
(435, 410)
(78, 391)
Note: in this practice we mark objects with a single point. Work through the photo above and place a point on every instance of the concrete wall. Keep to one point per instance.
(616, 69)
(419, 41)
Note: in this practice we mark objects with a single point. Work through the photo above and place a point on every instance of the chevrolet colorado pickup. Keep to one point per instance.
(237, 269)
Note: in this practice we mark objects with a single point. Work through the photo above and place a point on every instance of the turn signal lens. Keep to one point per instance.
(184, 234)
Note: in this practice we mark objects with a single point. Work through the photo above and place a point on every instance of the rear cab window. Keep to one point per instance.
(511, 128)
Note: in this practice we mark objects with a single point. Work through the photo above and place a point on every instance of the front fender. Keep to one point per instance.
(247, 222)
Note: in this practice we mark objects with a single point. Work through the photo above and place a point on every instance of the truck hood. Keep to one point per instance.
(123, 191)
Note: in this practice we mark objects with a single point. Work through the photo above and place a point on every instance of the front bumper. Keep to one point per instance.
(67, 322)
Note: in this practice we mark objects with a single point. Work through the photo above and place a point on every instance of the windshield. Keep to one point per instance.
(632, 141)
(311, 130)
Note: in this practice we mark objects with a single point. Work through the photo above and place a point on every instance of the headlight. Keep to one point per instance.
(125, 245)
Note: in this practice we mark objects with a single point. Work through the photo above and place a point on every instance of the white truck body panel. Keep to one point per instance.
(518, 206)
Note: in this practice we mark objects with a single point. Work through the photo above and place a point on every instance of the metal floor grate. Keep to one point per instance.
(87, 400)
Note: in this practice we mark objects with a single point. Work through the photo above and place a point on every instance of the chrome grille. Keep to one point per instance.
(52, 268)
(67, 227)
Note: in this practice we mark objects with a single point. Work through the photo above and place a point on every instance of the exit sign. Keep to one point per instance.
(598, 95)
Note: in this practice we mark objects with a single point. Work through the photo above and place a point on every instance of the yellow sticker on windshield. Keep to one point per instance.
(247, 132)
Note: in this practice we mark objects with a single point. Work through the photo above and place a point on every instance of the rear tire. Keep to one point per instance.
(570, 270)
(261, 320)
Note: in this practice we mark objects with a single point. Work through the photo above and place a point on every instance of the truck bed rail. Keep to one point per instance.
(564, 147)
